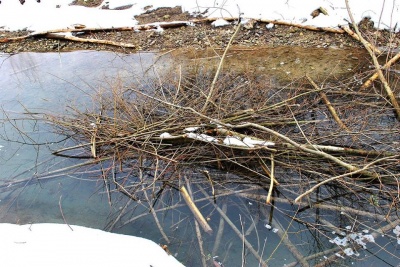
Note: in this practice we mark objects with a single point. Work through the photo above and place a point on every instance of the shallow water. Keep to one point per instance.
(52, 83)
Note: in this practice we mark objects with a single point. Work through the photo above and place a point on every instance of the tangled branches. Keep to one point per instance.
(322, 148)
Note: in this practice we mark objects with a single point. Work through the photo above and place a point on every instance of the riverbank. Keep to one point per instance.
(201, 36)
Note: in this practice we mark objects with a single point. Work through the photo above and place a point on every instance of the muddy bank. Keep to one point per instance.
(284, 63)
(201, 36)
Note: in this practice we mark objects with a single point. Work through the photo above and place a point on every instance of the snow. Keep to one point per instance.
(359, 238)
(191, 129)
(253, 142)
(246, 142)
(165, 135)
(202, 137)
(396, 231)
(233, 141)
(45, 15)
(49, 245)
(220, 23)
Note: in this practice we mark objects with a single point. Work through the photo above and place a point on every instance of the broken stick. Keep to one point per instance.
(328, 104)
(196, 212)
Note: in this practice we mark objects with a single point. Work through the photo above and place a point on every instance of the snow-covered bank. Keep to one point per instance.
(49, 245)
(54, 14)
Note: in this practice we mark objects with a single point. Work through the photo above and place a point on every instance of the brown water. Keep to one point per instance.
(285, 64)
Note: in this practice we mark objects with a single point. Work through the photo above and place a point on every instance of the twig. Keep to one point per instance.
(271, 186)
(338, 177)
(207, 174)
(320, 206)
(156, 219)
(356, 37)
(200, 240)
(220, 231)
(277, 22)
(243, 244)
(307, 27)
(328, 104)
(62, 214)
(368, 82)
(221, 62)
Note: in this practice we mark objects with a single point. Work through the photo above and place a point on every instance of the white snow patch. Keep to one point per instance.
(396, 230)
(45, 15)
(339, 241)
(253, 142)
(233, 141)
(220, 23)
(165, 135)
(269, 26)
(339, 256)
(202, 137)
(191, 129)
(348, 251)
(49, 245)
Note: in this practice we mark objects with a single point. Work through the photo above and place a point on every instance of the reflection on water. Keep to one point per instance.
(33, 189)
(52, 83)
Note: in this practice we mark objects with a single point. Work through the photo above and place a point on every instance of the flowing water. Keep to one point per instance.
(33, 84)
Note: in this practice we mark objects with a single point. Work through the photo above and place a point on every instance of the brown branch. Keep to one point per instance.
(271, 186)
(87, 40)
(356, 37)
(368, 82)
(328, 104)
(221, 62)
(312, 189)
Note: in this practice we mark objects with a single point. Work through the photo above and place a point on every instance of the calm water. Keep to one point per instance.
(52, 83)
